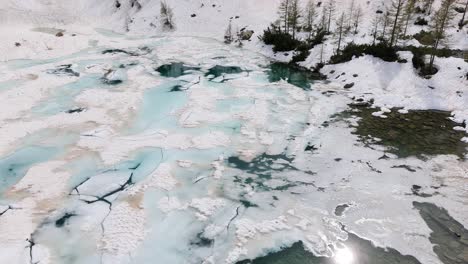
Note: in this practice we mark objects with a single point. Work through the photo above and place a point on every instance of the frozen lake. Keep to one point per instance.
(185, 150)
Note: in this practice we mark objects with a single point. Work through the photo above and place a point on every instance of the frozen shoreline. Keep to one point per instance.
(185, 185)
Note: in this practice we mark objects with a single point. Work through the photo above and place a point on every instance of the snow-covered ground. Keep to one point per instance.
(134, 173)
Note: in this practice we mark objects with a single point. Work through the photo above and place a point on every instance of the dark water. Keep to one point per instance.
(219, 70)
(449, 237)
(340, 209)
(261, 169)
(417, 133)
(116, 51)
(175, 69)
(263, 165)
(363, 253)
(294, 75)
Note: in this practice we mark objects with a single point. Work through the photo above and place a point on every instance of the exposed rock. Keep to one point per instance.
(246, 34)
(348, 85)
(75, 110)
(63, 70)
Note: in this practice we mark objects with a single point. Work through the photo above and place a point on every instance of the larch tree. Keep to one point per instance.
(309, 17)
(283, 12)
(323, 19)
(376, 21)
(330, 13)
(228, 34)
(167, 16)
(428, 6)
(396, 13)
(294, 15)
(386, 21)
(440, 23)
(357, 19)
(408, 14)
(239, 38)
(340, 30)
(350, 15)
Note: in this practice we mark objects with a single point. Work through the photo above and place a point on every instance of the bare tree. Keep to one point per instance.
(428, 6)
(283, 12)
(357, 19)
(376, 21)
(396, 12)
(350, 15)
(239, 38)
(293, 16)
(386, 22)
(309, 17)
(323, 19)
(408, 13)
(330, 13)
(321, 53)
(340, 29)
(167, 16)
(228, 34)
(441, 21)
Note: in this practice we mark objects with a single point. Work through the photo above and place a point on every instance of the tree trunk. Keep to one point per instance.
(286, 17)
(395, 23)
(375, 33)
(462, 21)
(339, 40)
(430, 7)
(434, 49)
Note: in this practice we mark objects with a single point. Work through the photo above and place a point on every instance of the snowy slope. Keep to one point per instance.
(211, 16)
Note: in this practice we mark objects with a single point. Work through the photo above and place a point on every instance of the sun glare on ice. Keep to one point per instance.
(344, 255)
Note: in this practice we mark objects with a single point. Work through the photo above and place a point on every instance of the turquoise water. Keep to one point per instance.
(15, 166)
(292, 74)
(6, 85)
(158, 103)
(63, 97)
